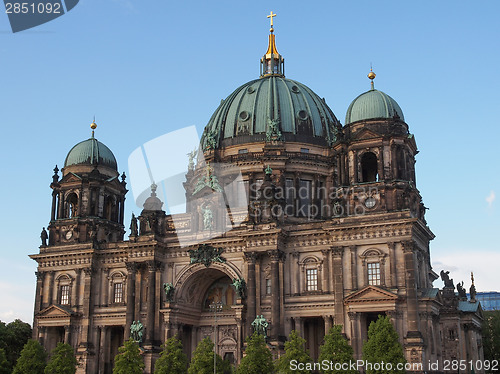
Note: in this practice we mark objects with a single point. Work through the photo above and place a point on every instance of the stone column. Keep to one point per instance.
(338, 284)
(102, 349)
(40, 276)
(392, 259)
(53, 211)
(50, 287)
(87, 306)
(356, 333)
(67, 334)
(328, 323)
(275, 294)
(130, 314)
(60, 206)
(250, 257)
(326, 271)
(354, 266)
(150, 316)
(411, 289)
(299, 325)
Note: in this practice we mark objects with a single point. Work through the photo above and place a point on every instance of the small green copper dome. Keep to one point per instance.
(263, 105)
(373, 104)
(91, 152)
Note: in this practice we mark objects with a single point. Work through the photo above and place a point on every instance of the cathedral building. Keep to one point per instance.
(291, 218)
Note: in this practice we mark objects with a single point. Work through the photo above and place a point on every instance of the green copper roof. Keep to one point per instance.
(248, 113)
(373, 104)
(91, 152)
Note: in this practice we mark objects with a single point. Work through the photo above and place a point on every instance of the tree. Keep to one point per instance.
(128, 360)
(491, 335)
(62, 360)
(13, 337)
(383, 346)
(172, 359)
(258, 359)
(203, 360)
(4, 364)
(336, 350)
(32, 360)
(296, 359)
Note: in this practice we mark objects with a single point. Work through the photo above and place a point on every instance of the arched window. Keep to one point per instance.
(369, 168)
(71, 205)
(64, 283)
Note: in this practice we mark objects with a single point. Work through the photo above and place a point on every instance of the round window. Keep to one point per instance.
(370, 202)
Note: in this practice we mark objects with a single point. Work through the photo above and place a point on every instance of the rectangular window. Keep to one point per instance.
(118, 292)
(374, 273)
(304, 150)
(242, 151)
(312, 279)
(65, 294)
(268, 286)
(256, 188)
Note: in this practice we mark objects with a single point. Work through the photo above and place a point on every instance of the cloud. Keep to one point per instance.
(483, 263)
(491, 198)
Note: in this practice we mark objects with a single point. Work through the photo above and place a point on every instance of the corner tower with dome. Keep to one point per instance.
(290, 218)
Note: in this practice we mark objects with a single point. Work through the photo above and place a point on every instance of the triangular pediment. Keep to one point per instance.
(366, 134)
(55, 311)
(71, 177)
(371, 294)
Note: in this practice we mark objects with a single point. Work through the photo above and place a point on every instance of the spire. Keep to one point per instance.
(272, 63)
(371, 76)
(93, 126)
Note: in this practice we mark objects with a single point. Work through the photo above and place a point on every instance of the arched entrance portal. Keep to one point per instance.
(191, 317)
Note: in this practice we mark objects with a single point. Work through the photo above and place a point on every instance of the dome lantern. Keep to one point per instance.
(272, 63)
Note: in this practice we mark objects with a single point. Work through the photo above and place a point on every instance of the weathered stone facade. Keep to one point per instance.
(355, 246)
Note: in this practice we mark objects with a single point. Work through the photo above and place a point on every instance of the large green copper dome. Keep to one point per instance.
(91, 152)
(373, 104)
(247, 114)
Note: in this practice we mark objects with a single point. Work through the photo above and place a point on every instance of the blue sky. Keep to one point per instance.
(148, 68)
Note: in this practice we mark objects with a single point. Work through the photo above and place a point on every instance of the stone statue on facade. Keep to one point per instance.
(136, 331)
(472, 289)
(240, 286)
(206, 254)
(208, 218)
(260, 326)
(44, 236)
(461, 291)
(169, 291)
(192, 156)
(133, 226)
(448, 283)
(273, 132)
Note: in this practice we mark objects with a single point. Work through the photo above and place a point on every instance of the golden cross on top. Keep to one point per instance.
(271, 16)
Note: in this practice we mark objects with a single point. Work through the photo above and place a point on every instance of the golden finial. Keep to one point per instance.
(93, 126)
(371, 76)
(271, 15)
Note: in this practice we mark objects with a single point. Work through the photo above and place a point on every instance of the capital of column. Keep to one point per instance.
(250, 257)
(408, 246)
(276, 255)
(89, 270)
(131, 267)
(337, 251)
(152, 265)
(353, 316)
(40, 275)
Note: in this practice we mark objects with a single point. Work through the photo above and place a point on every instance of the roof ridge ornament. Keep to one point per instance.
(93, 126)
(272, 63)
(371, 76)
